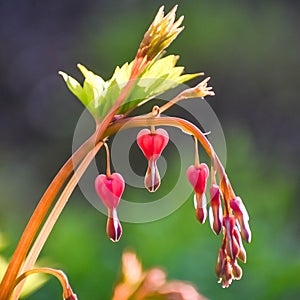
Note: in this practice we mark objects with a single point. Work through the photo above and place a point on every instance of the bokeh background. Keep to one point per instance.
(251, 50)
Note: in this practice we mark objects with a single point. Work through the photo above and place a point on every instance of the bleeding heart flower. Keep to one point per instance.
(152, 145)
(110, 189)
(197, 176)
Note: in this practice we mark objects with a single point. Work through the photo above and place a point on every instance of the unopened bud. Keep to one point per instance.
(245, 231)
(215, 210)
(227, 277)
(232, 247)
(241, 214)
(242, 253)
(220, 263)
(231, 244)
(237, 271)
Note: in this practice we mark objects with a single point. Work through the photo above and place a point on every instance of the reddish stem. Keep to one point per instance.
(102, 132)
(38, 216)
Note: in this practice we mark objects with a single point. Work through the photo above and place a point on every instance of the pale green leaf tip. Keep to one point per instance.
(82, 69)
(195, 74)
(64, 75)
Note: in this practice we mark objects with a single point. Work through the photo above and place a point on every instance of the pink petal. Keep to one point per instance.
(110, 189)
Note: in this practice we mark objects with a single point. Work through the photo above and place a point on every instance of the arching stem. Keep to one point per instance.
(39, 215)
(60, 275)
(53, 216)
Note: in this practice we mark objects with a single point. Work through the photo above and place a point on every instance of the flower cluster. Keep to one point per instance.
(234, 221)
(231, 218)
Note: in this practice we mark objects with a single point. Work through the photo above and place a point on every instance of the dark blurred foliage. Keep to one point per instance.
(251, 50)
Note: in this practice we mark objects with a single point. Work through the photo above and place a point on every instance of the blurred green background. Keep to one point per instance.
(251, 50)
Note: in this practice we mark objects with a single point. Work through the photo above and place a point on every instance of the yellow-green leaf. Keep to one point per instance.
(75, 87)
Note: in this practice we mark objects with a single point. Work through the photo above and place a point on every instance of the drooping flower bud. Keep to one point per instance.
(221, 262)
(215, 210)
(242, 253)
(231, 244)
(152, 145)
(228, 275)
(110, 189)
(197, 176)
(237, 271)
(241, 214)
(227, 268)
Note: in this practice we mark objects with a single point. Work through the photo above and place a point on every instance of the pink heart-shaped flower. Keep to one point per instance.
(197, 177)
(110, 189)
(152, 144)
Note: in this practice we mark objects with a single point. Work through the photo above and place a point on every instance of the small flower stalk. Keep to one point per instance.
(152, 143)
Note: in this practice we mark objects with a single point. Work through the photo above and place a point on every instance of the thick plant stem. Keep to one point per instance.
(38, 216)
(47, 199)
(53, 216)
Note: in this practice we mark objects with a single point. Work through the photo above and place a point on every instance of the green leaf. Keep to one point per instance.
(159, 77)
(99, 96)
(108, 99)
(91, 91)
(122, 75)
(75, 87)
